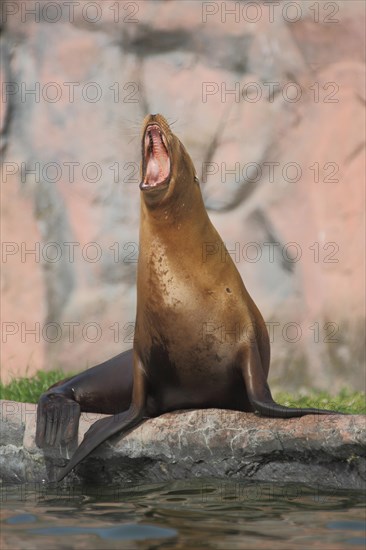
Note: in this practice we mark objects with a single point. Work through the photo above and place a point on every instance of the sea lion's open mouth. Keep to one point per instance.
(156, 159)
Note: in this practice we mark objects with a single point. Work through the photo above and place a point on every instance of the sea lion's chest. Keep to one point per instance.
(189, 310)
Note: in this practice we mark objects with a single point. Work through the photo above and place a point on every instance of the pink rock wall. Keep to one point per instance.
(271, 105)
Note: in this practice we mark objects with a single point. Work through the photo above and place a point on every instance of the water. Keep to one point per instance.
(188, 514)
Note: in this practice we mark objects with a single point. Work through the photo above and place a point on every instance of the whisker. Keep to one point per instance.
(126, 132)
(134, 122)
(133, 125)
(179, 124)
(132, 139)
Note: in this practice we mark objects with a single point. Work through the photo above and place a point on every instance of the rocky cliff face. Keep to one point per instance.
(268, 100)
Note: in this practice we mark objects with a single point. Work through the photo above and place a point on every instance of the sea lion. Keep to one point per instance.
(200, 341)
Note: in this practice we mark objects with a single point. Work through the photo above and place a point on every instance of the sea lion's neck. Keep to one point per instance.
(179, 214)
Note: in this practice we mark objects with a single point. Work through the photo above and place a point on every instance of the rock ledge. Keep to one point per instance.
(328, 451)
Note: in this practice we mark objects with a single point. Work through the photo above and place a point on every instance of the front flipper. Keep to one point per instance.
(99, 432)
(258, 391)
(106, 427)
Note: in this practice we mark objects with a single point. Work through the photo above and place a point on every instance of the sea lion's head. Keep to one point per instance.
(167, 171)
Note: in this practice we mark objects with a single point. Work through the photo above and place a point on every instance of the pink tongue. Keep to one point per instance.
(158, 166)
(153, 170)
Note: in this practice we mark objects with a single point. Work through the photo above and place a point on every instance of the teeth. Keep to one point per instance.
(155, 142)
(157, 162)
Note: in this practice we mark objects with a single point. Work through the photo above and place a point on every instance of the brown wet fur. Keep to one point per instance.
(200, 340)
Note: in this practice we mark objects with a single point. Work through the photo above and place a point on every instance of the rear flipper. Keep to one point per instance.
(105, 389)
(57, 421)
(121, 422)
(260, 395)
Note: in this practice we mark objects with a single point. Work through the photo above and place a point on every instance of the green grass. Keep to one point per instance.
(28, 390)
(347, 401)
